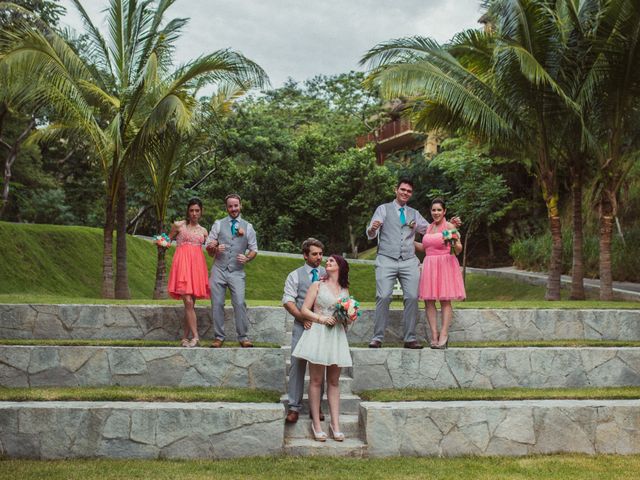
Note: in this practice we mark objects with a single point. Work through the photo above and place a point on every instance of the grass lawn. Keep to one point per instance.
(62, 264)
(508, 344)
(565, 467)
(118, 343)
(467, 394)
(139, 394)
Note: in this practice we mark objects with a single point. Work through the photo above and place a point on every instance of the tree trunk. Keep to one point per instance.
(606, 276)
(492, 252)
(555, 262)
(160, 290)
(107, 251)
(122, 278)
(464, 258)
(577, 268)
(353, 241)
(10, 160)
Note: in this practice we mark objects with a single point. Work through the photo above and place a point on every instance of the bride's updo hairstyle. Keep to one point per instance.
(343, 270)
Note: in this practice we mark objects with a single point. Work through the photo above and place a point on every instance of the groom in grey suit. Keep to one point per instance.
(233, 241)
(295, 289)
(396, 224)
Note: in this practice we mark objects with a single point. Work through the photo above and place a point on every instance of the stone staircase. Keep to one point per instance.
(173, 430)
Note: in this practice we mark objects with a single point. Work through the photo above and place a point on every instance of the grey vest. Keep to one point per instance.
(304, 282)
(395, 240)
(235, 244)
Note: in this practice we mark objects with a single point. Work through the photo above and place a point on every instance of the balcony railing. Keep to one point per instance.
(386, 132)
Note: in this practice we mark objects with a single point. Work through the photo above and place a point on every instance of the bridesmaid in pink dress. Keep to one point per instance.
(189, 277)
(441, 278)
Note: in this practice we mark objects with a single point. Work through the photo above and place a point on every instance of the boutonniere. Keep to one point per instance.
(240, 231)
(411, 224)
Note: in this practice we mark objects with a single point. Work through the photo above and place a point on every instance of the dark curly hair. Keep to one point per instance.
(343, 270)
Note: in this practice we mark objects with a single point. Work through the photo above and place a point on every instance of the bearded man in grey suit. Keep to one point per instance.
(295, 290)
(233, 242)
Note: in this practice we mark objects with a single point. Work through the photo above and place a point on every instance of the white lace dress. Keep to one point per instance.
(321, 344)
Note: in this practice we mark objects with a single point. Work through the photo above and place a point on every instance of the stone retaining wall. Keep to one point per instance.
(271, 324)
(35, 366)
(50, 430)
(502, 427)
(495, 367)
(129, 322)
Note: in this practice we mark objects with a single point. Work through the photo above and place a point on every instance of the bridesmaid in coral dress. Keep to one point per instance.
(189, 277)
(441, 278)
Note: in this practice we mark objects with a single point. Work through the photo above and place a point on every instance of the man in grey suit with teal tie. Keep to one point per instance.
(396, 224)
(233, 242)
(295, 290)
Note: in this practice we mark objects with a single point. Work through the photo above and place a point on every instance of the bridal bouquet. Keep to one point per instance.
(346, 311)
(450, 237)
(162, 240)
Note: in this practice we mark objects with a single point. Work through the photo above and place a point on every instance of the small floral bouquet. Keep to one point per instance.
(346, 311)
(240, 231)
(162, 240)
(450, 237)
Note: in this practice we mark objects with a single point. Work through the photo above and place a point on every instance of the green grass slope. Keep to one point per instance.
(55, 264)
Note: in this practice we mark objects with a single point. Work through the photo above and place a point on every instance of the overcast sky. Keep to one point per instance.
(298, 38)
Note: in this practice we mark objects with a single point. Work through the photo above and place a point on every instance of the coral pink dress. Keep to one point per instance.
(441, 278)
(189, 273)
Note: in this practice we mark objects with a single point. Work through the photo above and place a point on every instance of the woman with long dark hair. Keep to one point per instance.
(325, 344)
(189, 277)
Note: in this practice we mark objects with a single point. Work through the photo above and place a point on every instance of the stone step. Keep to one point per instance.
(55, 366)
(152, 430)
(349, 425)
(304, 447)
(501, 428)
(349, 404)
(552, 367)
(273, 324)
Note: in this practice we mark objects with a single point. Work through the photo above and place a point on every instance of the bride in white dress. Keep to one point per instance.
(325, 344)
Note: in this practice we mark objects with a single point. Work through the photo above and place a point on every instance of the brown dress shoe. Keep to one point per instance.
(375, 344)
(292, 416)
(245, 343)
(217, 343)
(415, 345)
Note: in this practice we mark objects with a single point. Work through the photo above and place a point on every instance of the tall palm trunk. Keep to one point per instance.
(551, 197)
(12, 156)
(607, 214)
(122, 278)
(107, 251)
(160, 290)
(577, 268)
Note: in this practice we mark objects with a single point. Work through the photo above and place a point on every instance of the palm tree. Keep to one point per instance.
(122, 93)
(171, 154)
(501, 85)
(611, 99)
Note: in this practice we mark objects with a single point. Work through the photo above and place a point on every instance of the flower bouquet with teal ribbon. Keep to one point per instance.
(450, 237)
(346, 311)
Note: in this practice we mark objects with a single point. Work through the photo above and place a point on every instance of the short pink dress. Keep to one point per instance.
(189, 273)
(441, 278)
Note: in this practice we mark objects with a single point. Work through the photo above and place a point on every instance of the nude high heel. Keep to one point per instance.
(318, 436)
(337, 436)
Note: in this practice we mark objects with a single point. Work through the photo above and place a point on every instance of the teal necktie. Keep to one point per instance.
(314, 275)
(234, 227)
(403, 219)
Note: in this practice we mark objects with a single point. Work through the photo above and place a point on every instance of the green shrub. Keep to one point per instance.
(532, 253)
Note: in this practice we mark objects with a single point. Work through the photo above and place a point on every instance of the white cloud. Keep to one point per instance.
(300, 39)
